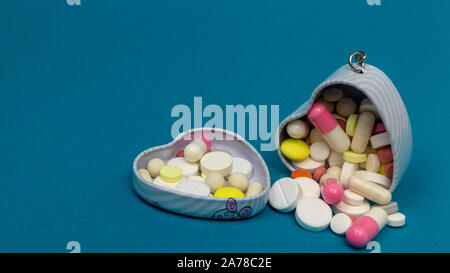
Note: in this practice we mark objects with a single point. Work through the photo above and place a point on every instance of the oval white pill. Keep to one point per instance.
(284, 195)
(309, 187)
(319, 151)
(372, 163)
(340, 223)
(297, 129)
(375, 177)
(193, 187)
(154, 165)
(396, 219)
(241, 165)
(308, 164)
(254, 188)
(347, 171)
(333, 94)
(215, 181)
(187, 168)
(195, 150)
(380, 140)
(216, 161)
(313, 214)
(238, 181)
(353, 198)
(145, 175)
(352, 210)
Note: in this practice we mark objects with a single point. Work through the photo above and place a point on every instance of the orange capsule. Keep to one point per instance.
(300, 173)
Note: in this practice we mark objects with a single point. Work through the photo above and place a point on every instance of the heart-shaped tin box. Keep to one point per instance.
(204, 206)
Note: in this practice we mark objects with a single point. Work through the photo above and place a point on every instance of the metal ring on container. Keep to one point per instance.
(360, 59)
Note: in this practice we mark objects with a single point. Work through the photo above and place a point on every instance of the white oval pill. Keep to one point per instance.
(313, 214)
(372, 163)
(193, 187)
(309, 187)
(333, 94)
(145, 175)
(238, 181)
(154, 165)
(353, 198)
(254, 188)
(348, 169)
(195, 150)
(352, 210)
(396, 219)
(215, 181)
(308, 164)
(217, 161)
(380, 140)
(375, 177)
(284, 195)
(187, 168)
(319, 151)
(241, 165)
(340, 223)
(297, 129)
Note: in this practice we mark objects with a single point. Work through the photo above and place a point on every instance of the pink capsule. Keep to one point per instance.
(328, 127)
(366, 227)
(332, 191)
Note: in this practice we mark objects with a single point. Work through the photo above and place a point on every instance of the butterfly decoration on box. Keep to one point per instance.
(231, 211)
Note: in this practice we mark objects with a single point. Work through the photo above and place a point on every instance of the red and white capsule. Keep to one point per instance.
(366, 227)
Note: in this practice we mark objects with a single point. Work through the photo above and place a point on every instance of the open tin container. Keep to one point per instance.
(200, 206)
(358, 81)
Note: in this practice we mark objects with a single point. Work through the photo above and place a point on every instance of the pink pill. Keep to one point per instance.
(389, 170)
(378, 129)
(385, 154)
(319, 172)
(332, 191)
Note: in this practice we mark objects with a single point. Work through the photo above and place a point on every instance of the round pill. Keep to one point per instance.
(319, 151)
(154, 165)
(313, 214)
(353, 157)
(309, 188)
(332, 191)
(254, 188)
(193, 187)
(372, 163)
(385, 154)
(188, 168)
(353, 198)
(308, 164)
(284, 195)
(216, 161)
(396, 219)
(352, 210)
(342, 123)
(300, 173)
(378, 129)
(215, 181)
(345, 107)
(351, 124)
(229, 192)
(145, 175)
(329, 105)
(297, 129)
(294, 149)
(375, 177)
(319, 172)
(238, 181)
(180, 153)
(169, 185)
(241, 165)
(194, 151)
(314, 136)
(170, 173)
(389, 170)
(333, 94)
(196, 178)
(340, 223)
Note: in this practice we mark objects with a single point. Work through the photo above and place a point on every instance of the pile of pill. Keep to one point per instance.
(344, 167)
(199, 170)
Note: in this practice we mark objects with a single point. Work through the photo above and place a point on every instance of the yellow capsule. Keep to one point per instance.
(295, 149)
(228, 192)
(350, 125)
(353, 157)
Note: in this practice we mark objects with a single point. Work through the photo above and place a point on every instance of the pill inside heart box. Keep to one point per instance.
(364, 82)
(204, 206)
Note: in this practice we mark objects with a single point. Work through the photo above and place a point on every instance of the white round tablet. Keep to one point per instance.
(309, 187)
(216, 161)
(308, 164)
(340, 223)
(196, 178)
(319, 151)
(313, 214)
(352, 210)
(297, 129)
(284, 195)
(159, 181)
(193, 187)
(241, 165)
(353, 198)
(187, 168)
(396, 219)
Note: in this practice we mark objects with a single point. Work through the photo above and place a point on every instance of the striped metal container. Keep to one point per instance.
(375, 85)
(198, 206)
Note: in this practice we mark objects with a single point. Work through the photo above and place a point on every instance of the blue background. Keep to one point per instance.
(84, 89)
